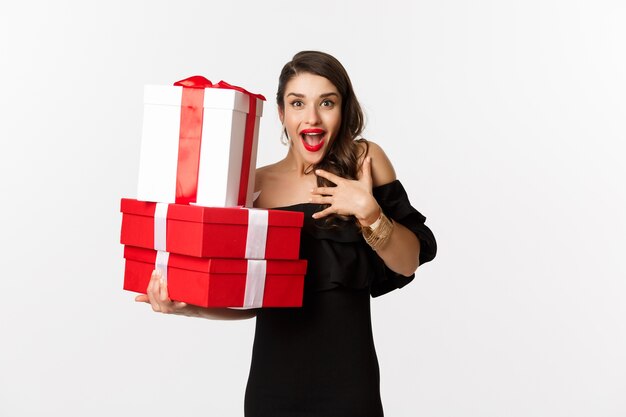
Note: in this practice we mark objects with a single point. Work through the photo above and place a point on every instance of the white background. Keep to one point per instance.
(504, 120)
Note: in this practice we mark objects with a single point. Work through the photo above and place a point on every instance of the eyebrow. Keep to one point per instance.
(299, 95)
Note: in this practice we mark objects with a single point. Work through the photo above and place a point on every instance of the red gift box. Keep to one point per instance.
(211, 232)
(209, 282)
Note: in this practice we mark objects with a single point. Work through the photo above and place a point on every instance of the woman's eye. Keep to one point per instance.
(327, 103)
(297, 103)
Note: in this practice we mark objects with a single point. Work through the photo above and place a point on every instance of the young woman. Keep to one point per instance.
(361, 237)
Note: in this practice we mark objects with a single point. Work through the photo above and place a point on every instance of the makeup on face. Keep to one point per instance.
(313, 113)
(312, 139)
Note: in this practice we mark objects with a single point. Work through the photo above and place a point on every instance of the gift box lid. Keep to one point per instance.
(214, 98)
(222, 215)
(216, 265)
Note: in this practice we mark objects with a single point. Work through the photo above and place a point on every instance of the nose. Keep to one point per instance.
(312, 116)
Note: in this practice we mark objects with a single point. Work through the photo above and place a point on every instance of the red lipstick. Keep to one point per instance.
(312, 139)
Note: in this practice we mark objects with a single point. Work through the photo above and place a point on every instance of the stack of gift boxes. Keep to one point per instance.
(192, 218)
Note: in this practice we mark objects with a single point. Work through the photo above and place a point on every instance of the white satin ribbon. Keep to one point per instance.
(162, 259)
(255, 284)
(160, 226)
(257, 234)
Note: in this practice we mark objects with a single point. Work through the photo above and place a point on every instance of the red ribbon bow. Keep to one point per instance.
(198, 81)
(195, 81)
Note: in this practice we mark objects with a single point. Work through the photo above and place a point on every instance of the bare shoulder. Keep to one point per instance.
(260, 175)
(382, 168)
(266, 175)
(263, 179)
(278, 186)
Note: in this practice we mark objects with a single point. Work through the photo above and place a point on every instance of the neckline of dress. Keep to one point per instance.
(309, 203)
(291, 205)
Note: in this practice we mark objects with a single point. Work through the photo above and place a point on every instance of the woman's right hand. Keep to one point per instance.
(159, 299)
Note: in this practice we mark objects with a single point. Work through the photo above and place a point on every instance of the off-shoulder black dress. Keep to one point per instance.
(320, 360)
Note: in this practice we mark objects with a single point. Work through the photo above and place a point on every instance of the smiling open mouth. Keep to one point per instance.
(312, 139)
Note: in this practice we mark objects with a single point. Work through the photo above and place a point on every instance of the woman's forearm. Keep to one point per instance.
(217, 313)
(401, 252)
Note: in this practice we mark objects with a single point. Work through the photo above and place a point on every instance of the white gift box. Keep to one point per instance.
(221, 154)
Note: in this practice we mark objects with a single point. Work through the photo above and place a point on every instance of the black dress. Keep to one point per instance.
(320, 360)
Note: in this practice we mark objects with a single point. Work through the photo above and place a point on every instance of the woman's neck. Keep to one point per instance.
(294, 163)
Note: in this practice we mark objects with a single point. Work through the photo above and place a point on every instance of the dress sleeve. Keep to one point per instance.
(394, 202)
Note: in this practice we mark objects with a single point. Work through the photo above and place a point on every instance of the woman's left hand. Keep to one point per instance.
(349, 197)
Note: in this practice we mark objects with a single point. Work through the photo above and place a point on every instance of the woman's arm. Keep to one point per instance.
(158, 298)
(401, 252)
(354, 197)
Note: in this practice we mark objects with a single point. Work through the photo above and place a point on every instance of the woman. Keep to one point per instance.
(361, 237)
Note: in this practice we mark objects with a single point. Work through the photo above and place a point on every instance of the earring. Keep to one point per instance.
(284, 137)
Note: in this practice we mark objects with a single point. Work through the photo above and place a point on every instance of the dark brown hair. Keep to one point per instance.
(343, 154)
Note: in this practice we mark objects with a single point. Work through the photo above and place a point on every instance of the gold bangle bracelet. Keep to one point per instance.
(378, 236)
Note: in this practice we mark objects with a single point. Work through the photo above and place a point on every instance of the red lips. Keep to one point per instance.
(312, 139)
